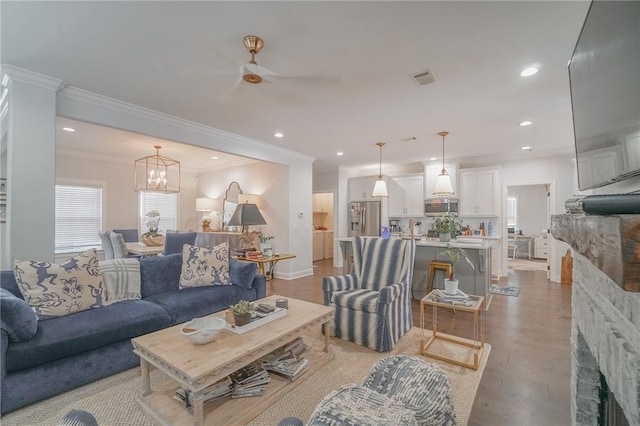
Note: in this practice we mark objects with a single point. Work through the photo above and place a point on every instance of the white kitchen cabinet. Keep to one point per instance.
(318, 245)
(478, 192)
(541, 250)
(328, 245)
(361, 187)
(322, 203)
(406, 197)
(431, 173)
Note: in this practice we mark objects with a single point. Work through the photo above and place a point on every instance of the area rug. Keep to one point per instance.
(527, 265)
(505, 290)
(112, 400)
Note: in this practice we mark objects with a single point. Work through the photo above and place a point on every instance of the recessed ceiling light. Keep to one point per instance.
(527, 72)
(278, 134)
(525, 123)
(526, 148)
(433, 158)
(339, 153)
(214, 158)
(68, 129)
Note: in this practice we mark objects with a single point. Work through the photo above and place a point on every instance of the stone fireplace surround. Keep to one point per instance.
(605, 332)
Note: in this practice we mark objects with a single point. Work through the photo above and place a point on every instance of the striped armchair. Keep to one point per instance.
(373, 302)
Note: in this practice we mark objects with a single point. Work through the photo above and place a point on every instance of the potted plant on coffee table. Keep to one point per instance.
(455, 254)
(446, 225)
(242, 312)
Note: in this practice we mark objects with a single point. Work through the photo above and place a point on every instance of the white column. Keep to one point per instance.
(31, 148)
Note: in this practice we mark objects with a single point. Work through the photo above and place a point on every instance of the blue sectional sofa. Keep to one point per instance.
(76, 349)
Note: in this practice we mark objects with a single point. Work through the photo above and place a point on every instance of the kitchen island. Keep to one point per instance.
(476, 280)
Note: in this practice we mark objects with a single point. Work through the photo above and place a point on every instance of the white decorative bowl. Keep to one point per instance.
(202, 330)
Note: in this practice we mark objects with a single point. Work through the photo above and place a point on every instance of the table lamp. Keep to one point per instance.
(246, 214)
(205, 205)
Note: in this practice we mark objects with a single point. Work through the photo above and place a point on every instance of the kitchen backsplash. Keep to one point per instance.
(426, 224)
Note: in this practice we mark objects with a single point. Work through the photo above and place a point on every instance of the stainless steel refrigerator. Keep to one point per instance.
(365, 218)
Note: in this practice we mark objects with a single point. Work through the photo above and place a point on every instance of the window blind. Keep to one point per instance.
(166, 204)
(78, 217)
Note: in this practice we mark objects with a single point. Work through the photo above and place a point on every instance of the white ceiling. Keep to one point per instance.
(183, 59)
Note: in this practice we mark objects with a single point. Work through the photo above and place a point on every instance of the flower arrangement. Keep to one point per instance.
(265, 238)
(152, 222)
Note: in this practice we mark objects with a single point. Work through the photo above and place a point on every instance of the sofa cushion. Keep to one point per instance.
(72, 334)
(16, 317)
(121, 279)
(357, 300)
(55, 290)
(189, 303)
(160, 274)
(242, 273)
(204, 266)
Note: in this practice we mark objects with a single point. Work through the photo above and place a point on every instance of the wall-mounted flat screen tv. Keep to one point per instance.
(604, 73)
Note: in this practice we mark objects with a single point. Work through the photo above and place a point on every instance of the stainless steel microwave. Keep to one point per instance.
(440, 206)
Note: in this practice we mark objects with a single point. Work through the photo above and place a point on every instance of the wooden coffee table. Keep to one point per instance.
(195, 367)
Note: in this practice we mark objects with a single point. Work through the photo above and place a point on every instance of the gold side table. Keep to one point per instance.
(477, 344)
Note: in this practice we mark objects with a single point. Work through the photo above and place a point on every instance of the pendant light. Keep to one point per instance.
(443, 183)
(156, 173)
(380, 188)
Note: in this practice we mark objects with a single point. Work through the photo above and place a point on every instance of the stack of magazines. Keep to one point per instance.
(287, 360)
(251, 380)
(460, 297)
(216, 391)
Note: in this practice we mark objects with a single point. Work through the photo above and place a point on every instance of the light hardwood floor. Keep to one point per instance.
(526, 380)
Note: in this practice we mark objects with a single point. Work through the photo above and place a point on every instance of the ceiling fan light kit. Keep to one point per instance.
(380, 188)
(253, 45)
(443, 182)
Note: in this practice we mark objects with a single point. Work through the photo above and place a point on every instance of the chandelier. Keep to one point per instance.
(156, 173)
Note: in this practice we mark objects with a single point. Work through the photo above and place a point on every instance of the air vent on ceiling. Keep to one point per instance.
(424, 77)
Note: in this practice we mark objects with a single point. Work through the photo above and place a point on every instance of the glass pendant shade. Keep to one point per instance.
(380, 189)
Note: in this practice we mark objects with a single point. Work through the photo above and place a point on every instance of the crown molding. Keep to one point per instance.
(10, 73)
(138, 111)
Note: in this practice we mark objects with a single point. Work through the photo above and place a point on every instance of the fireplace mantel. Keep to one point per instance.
(611, 243)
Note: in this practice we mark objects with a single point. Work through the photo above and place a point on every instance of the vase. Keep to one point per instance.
(267, 249)
(451, 286)
(242, 319)
(445, 237)
(158, 240)
(205, 228)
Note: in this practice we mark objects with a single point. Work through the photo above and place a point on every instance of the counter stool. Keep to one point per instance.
(438, 265)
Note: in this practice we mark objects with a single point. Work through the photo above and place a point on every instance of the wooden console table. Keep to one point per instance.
(266, 260)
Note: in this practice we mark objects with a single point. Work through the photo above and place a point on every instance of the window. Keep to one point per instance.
(78, 217)
(512, 212)
(166, 204)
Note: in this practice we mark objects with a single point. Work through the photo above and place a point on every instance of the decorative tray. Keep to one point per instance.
(259, 320)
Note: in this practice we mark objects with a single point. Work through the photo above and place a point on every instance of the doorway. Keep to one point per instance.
(528, 221)
(323, 220)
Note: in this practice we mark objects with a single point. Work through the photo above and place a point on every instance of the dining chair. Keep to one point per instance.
(173, 241)
(129, 235)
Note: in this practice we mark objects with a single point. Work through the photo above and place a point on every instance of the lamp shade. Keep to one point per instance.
(245, 215)
(380, 189)
(443, 185)
(205, 204)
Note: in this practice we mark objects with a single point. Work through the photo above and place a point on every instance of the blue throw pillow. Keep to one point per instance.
(242, 273)
(18, 319)
(160, 274)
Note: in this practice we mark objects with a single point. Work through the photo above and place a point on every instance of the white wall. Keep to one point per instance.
(532, 208)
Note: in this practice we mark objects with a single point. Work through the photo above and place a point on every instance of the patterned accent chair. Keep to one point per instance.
(373, 302)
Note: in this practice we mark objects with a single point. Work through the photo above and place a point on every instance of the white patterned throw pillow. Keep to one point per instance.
(121, 279)
(202, 266)
(54, 290)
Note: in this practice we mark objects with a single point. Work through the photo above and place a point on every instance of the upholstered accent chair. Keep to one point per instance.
(373, 302)
(174, 241)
